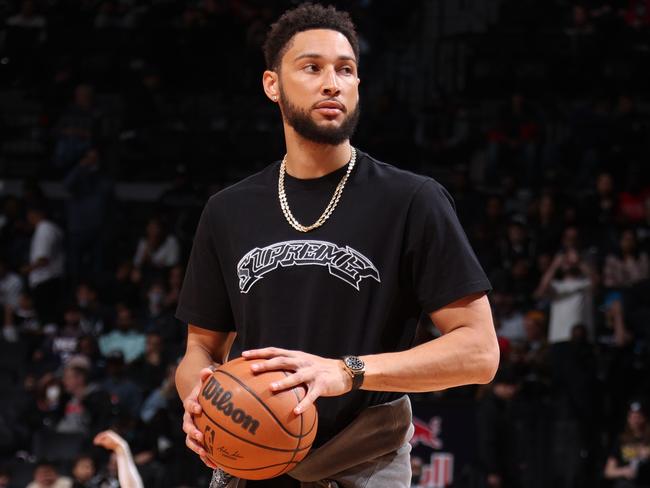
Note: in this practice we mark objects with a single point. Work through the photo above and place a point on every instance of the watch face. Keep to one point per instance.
(354, 363)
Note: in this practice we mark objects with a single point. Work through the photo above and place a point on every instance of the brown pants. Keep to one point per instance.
(372, 452)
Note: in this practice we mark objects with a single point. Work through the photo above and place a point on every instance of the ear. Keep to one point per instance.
(270, 83)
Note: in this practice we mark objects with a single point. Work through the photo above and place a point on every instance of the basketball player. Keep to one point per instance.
(321, 264)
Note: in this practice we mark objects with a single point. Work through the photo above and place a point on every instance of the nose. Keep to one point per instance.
(330, 86)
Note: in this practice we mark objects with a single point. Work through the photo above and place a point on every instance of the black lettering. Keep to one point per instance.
(209, 389)
(223, 401)
(254, 425)
(238, 416)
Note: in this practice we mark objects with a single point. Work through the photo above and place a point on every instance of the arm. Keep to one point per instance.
(204, 348)
(467, 352)
(545, 282)
(614, 471)
(127, 473)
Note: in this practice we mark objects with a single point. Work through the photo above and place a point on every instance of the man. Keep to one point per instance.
(387, 246)
(46, 264)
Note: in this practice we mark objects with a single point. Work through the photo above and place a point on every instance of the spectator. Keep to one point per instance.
(46, 475)
(11, 286)
(88, 408)
(161, 398)
(46, 262)
(628, 266)
(84, 472)
(87, 212)
(121, 463)
(66, 340)
(546, 225)
(629, 461)
(499, 451)
(570, 292)
(124, 393)
(76, 127)
(125, 338)
(157, 249)
(149, 369)
(123, 287)
(160, 319)
(94, 315)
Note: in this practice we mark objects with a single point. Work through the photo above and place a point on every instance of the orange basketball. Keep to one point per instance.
(250, 431)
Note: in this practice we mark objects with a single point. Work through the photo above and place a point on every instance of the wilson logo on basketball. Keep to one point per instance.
(221, 399)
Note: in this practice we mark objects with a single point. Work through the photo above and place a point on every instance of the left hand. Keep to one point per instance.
(110, 440)
(322, 376)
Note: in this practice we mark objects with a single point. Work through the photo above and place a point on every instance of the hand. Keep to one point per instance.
(194, 437)
(557, 260)
(322, 376)
(110, 440)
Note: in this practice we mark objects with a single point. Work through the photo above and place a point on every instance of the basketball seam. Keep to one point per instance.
(257, 469)
(243, 385)
(302, 423)
(216, 424)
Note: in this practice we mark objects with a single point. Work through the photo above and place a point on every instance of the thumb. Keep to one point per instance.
(205, 373)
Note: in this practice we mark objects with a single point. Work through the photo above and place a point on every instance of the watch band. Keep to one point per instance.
(355, 367)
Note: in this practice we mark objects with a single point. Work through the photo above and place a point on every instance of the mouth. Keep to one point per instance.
(330, 108)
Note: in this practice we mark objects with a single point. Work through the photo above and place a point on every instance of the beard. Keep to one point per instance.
(303, 124)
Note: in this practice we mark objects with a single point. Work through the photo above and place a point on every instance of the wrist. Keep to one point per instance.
(355, 368)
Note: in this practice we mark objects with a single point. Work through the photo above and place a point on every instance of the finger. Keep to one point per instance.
(206, 373)
(190, 428)
(266, 352)
(273, 364)
(192, 406)
(310, 398)
(290, 381)
(194, 446)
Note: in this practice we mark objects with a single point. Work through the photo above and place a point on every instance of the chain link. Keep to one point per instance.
(284, 203)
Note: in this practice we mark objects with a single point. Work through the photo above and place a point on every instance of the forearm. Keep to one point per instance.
(204, 348)
(545, 282)
(127, 472)
(463, 356)
(187, 374)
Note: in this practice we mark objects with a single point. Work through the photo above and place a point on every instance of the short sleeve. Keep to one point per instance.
(204, 300)
(442, 265)
(44, 238)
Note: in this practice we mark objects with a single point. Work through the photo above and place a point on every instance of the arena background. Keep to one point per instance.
(118, 118)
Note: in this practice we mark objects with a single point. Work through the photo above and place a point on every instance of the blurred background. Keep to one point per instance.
(118, 119)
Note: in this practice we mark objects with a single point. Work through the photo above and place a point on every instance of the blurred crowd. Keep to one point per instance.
(551, 185)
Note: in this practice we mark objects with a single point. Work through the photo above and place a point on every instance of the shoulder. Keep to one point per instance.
(260, 181)
(388, 178)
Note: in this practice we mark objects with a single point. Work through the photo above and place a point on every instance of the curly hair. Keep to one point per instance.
(305, 17)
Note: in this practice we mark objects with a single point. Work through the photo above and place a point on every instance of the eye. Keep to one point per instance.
(311, 68)
(347, 70)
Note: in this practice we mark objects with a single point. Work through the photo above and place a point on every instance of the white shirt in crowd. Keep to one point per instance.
(11, 286)
(47, 242)
(571, 305)
(166, 255)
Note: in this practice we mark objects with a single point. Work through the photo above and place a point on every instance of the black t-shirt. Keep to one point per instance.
(392, 248)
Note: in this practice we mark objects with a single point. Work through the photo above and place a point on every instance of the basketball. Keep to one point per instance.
(250, 431)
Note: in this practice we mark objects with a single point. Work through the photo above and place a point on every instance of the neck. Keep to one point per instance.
(306, 159)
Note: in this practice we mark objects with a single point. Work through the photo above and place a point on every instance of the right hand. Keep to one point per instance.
(194, 437)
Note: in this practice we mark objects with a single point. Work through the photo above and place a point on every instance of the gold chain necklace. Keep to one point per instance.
(330, 206)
